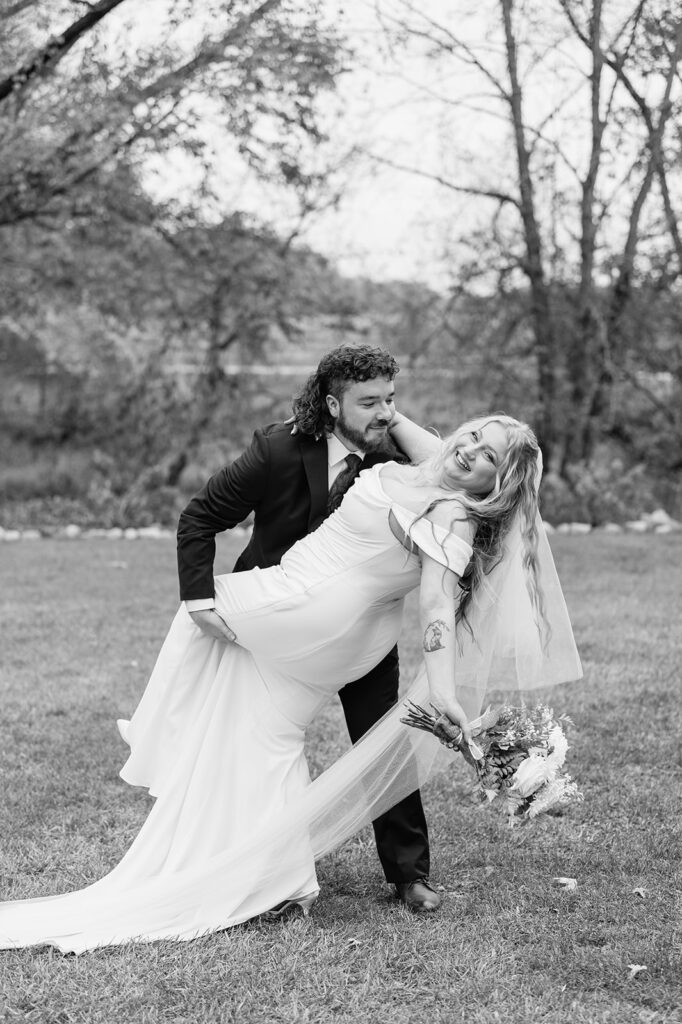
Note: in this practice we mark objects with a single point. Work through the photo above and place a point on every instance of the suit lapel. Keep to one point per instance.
(314, 455)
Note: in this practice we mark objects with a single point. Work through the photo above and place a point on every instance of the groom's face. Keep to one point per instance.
(363, 413)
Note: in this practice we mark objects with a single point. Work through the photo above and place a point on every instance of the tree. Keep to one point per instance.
(582, 213)
(97, 268)
(86, 96)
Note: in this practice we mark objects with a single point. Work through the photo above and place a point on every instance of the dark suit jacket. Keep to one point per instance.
(282, 479)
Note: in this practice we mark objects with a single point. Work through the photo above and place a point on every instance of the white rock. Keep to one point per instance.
(130, 533)
(154, 531)
(96, 531)
(658, 518)
(31, 535)
(115, 533)
(611, 528)
(637, 526)
(72, 532)
(579, 528)
(11, 535)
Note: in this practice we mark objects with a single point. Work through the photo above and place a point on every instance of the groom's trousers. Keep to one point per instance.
(401, 833)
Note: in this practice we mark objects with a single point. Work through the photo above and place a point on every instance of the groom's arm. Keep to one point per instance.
(224, 502)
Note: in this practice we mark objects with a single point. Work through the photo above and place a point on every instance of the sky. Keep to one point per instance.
(438, 118)
(389, 223)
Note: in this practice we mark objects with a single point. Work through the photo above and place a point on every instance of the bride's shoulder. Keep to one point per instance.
(400, 471)
(448, 511)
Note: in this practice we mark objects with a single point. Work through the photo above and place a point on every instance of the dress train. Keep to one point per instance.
(218, 735)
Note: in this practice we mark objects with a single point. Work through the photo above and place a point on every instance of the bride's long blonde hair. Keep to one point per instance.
(515, 493)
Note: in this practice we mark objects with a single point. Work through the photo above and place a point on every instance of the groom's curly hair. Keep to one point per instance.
(340, 368)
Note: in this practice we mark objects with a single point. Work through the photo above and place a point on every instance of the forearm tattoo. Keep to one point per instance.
(434, 636)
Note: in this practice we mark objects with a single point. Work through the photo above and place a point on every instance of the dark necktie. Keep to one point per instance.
(343, 482)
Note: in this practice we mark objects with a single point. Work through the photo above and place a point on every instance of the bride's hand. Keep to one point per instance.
(452, 726)
(396, 420)
(210, 623)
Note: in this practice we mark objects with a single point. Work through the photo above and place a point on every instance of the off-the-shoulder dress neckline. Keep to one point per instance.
(443, 492)
(394, 521)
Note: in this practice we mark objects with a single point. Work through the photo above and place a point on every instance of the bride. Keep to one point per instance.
(218, 735)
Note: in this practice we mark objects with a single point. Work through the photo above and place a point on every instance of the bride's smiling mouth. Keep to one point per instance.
(461, 462)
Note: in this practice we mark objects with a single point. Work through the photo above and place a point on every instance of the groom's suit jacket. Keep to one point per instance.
(281, 478)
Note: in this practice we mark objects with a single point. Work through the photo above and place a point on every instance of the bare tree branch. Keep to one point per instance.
(56, 48)
(665, 408)
(447, 42)
(18, 7)
(470, 190)
(656, 130)
(633, 20)
(209, 54)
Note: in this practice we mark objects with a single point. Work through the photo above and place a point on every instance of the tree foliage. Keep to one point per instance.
(581, 179)
(108, 280)
(84, 94)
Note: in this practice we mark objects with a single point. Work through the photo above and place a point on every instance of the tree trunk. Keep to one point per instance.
(541, 313)
(587, 353)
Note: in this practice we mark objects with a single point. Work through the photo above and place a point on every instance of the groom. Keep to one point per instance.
(291, 479)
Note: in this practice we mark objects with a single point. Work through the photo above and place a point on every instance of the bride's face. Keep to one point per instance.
(476, 453)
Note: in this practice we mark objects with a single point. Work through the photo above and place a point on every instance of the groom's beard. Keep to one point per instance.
(368, 440)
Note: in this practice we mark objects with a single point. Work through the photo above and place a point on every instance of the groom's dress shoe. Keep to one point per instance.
(419, 895)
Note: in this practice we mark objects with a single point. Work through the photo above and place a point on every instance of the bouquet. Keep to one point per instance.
(518, 757)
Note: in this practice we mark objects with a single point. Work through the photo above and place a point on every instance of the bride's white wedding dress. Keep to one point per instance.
(218, 735)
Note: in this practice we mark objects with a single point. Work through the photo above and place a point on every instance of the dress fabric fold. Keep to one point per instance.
(218, 735)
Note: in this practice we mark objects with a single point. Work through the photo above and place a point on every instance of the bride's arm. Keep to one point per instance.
(415, 441)
(437, 595)
(438, 592)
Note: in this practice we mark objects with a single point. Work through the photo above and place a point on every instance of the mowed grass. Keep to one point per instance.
(81, 624)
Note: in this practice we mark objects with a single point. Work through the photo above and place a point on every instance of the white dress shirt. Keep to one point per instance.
(336, 457)
(336, 462)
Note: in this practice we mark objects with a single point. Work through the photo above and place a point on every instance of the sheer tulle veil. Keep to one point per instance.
(507, 650)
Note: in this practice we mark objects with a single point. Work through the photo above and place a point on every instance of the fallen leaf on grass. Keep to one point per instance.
(635, 969)
(639, 892)
(569, 884)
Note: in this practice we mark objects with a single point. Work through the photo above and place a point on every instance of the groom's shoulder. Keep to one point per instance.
(274, 433)
(280, 441)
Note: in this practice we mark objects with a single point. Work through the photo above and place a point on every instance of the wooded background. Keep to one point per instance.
(142, 339)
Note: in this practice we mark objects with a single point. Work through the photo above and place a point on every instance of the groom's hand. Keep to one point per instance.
(212, 624)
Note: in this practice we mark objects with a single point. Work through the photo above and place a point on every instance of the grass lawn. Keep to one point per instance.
(81, 623)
